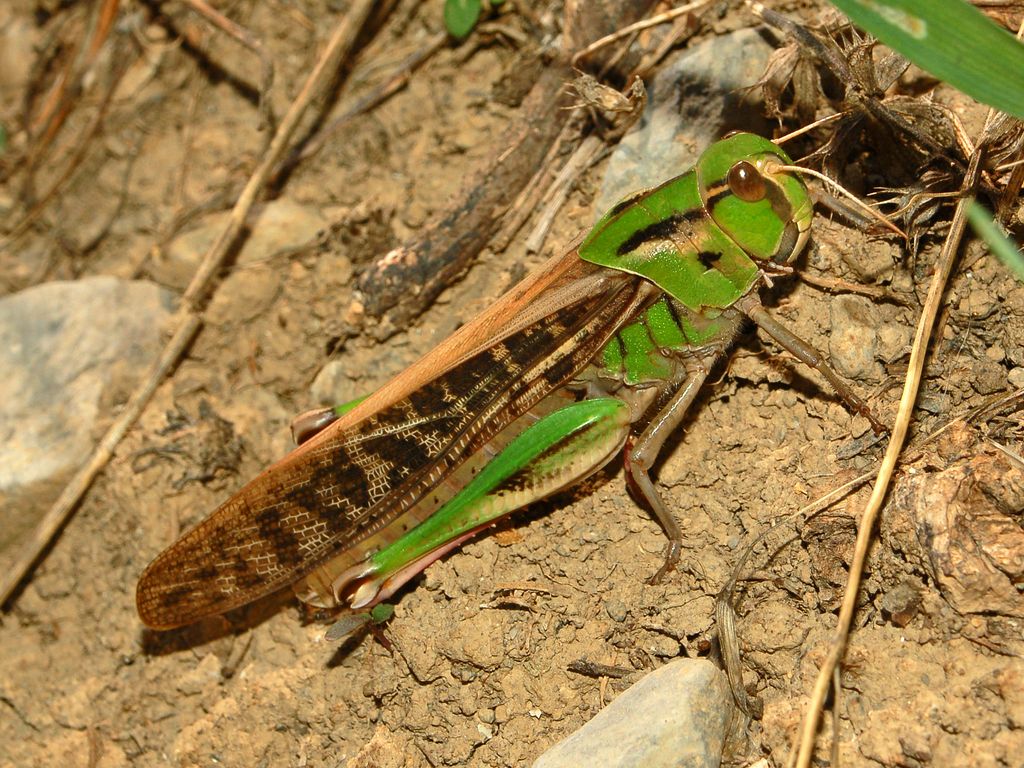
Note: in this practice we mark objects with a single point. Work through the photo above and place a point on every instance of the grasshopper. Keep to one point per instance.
(601, 350)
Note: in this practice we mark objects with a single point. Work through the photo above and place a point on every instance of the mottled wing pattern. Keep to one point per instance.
(354, 482)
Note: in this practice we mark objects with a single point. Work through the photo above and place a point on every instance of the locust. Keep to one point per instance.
(600, 351)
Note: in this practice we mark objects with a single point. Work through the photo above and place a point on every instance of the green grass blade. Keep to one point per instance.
(1004, 248)
(460, 16)
(952, 40)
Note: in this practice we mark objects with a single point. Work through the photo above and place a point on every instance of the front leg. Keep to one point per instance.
(751, 307)
(642, 452)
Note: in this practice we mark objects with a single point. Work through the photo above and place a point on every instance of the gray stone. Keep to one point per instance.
(677, 715)
(616, 609)
(853, 339)
(66, 348)
(691, 103)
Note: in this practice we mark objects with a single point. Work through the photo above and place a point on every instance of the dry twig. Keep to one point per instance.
(406, 280)
(187, 320)
(653, 21)
(804, 747)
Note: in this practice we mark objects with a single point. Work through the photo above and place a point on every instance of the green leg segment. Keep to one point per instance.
(641, 453)
(555, 452)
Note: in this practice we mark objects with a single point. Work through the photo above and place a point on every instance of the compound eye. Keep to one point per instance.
(746, 182)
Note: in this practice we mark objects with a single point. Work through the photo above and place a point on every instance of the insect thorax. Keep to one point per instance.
(663, 342)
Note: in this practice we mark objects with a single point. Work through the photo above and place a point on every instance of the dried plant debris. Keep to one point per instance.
(1006, 13)
(835, 64)
(916, 143)
(956, 518)
(209, 446)
(613, 112)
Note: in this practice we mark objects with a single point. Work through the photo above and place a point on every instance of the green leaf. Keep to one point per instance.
(1004, 248)
(460, 16)
(3, 138)
(953, 41)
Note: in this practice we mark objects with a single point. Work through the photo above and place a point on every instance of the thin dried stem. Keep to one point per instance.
(810, 127)
(394, 83)
(78, 153)
(188, 320)
(528, 199)
(837, 285)
(557, 193)
(803, 749)
(66, 89)
(918, 353)
(831, 183)
(654, 21)
(1008, 166)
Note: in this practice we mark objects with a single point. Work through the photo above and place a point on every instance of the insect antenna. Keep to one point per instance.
(838, 188)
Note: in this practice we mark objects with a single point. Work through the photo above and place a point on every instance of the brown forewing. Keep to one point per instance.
(367, 469)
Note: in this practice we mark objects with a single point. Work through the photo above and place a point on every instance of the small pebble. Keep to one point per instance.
(616, 610)
(677, 715)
